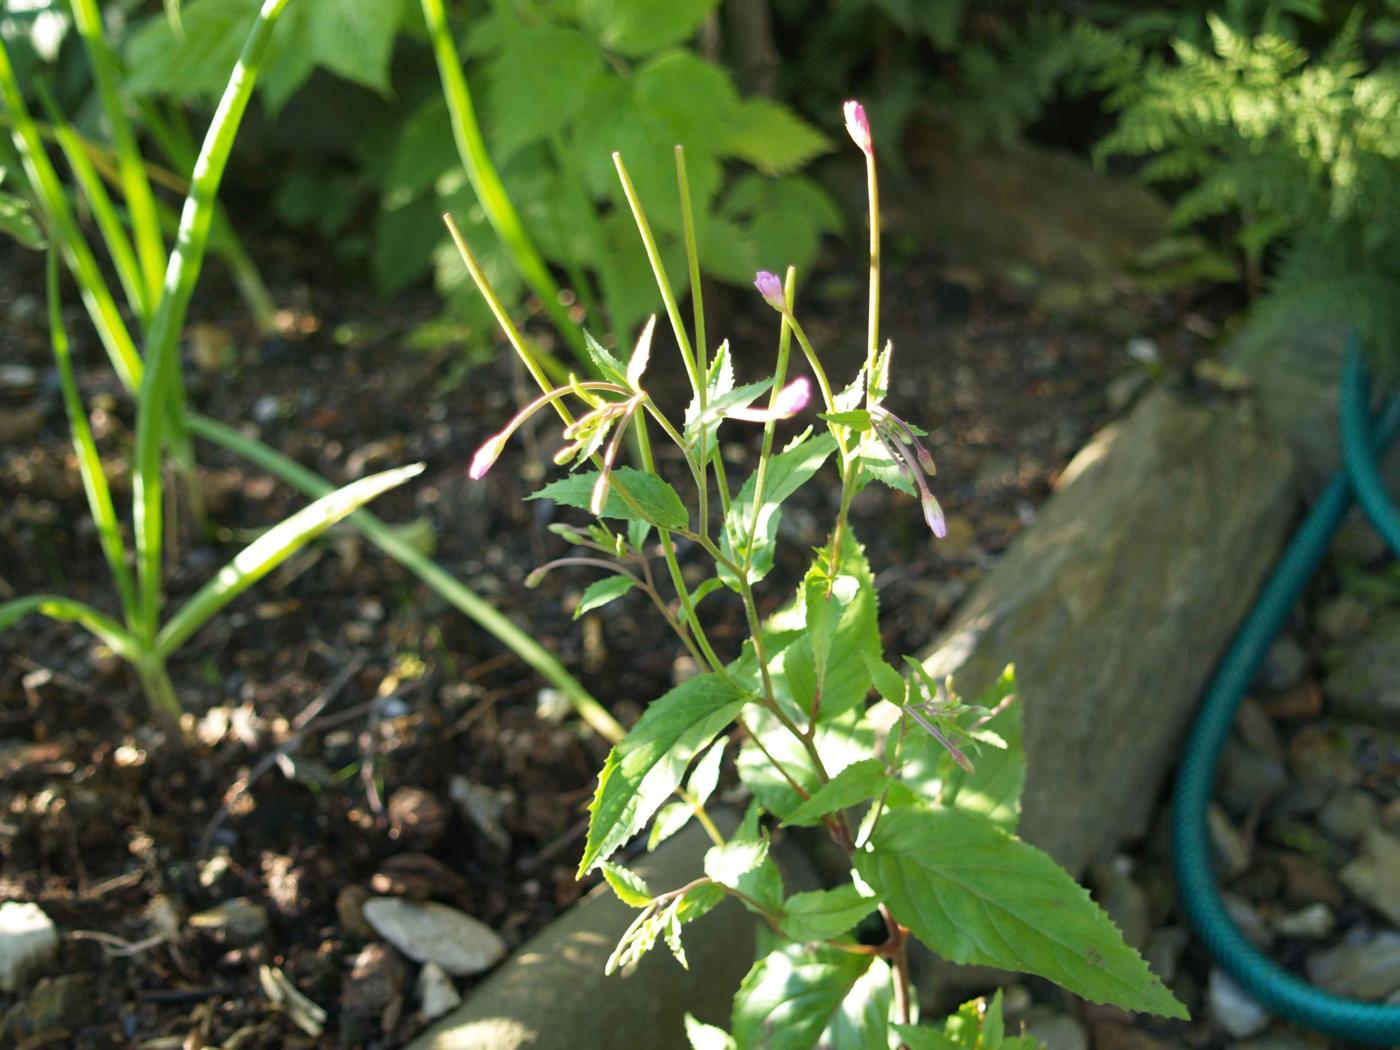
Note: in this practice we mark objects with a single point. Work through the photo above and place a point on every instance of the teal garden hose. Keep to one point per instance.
(1273, 987)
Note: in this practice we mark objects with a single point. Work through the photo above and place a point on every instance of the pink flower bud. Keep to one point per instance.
(791, 400)
(858, 127)
(485, 457)
(771, 288)
(933, 515)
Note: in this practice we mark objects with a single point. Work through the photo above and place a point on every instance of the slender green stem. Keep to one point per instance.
(873, 323)
(663, 284)
(439, 579)
(99, 496)
(485, 180)
(136, 187)
(159, 690)
(53, 201)
(697, 302)
(160, 385)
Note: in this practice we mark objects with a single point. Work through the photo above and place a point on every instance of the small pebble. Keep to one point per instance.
(1232, 1009)
(1314, 922)
(28, 941)
(238, 922)
(426, 931)
(436, 993)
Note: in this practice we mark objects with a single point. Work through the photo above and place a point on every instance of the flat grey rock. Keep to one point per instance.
(428, 932)
(1116, 605)
(552, 992)
(28, 940)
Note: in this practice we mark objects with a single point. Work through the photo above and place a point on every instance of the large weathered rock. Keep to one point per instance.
(1117, 604)
(552, 992)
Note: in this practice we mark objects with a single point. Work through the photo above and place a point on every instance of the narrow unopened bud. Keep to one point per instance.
(599, 498)
(486, 456)
(770, 286)
(858, 127)
(791, 400)
(933, 515)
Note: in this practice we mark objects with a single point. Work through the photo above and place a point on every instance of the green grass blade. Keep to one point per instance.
(53, 202)
(99, 496)
(271, 549)
(155, 397)
(138, 296)
(174, 141)
(136, 187)
(57, 607)
(435, 576)
(487, 182)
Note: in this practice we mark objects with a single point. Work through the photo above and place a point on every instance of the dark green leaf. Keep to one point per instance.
(773, 138)
(639, 27)
(977, 895)
(787, 471)
(823, 914)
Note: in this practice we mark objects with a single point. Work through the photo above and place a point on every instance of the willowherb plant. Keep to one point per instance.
(920, 790)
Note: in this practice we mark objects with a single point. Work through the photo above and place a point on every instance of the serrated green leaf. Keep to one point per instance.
(857, 783)
(659, 502)
(608, 365)
(977, 895)
(600, 592)
(840, 743)
(537, 83)
(823, 914)
(858, 419)
(423, 152)
(693, 99)
(729, 863)
(646, 766)
(631, 888)
(888, 682)
(773, 138)
(789, 996)
(639, 27)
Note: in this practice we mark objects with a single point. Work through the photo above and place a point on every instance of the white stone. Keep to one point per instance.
(426, 932)
(1233, 1009)
(28, 939)
(436, 992)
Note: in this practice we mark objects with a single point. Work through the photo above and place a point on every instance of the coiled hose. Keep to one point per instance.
(1273, 987)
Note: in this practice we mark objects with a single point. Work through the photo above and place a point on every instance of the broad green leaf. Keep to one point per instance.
(729, 863)
(631, 888)
(600, 592)
(858, 419)
(857, 783)
(423, 152)
(822, 914)
(693, 99)
(639, 27)
(659, 502)
(537, 82)
(271, 549)
(787, 471)
(977, 895)
(862, 1021)
(789, 996)
(784, 218)
(704, 1036)
(197, 63)
(773, 138)
(353, 39)
(646, 766)
(924, 1038)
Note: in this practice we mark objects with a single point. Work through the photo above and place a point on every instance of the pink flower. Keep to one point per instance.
(791, 400)
(771, 288)
(858, 127)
